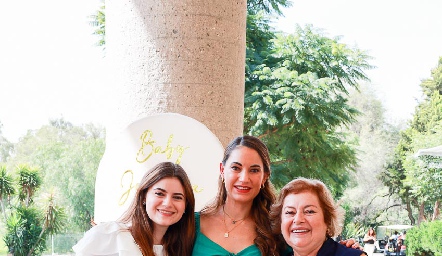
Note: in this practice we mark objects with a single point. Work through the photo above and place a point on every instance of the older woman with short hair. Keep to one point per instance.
(306, 217)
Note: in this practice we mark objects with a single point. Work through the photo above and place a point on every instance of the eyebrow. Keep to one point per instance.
(253, 165)
(163, 190)
(292, 207)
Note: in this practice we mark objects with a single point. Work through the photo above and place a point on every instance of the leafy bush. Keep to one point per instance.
(425, 239)
(23, 230)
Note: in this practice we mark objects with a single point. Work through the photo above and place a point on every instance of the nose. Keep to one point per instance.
(299, 217)
(167, 200)
(243, 176)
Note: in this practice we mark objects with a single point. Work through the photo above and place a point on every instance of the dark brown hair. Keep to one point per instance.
(179, 237)
(371, 229)
(261, 203)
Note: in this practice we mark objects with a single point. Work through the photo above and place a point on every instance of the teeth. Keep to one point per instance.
(165, 212)
(299, 231)
(239, 187)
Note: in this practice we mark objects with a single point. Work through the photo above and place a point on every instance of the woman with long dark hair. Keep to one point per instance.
(237, 222)
(159, 222)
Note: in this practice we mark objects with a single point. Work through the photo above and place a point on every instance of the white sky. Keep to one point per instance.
(50, 67)
(49, 64)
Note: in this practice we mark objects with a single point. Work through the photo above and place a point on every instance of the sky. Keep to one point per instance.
(50, 67)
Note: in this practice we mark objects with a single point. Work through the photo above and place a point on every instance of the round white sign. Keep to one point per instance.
(143, 144)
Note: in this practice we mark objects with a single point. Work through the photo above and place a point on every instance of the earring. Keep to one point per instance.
(144, 203)
(263, 185)
(222, 178)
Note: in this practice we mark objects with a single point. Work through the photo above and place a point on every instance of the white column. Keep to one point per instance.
(181, 56)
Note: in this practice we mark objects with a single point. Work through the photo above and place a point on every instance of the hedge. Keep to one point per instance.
(425, 239)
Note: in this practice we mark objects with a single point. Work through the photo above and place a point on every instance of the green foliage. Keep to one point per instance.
(425, 239)
(433, 84)
(29, 181)
(296, 102)
(54, 217)
(98, 21)
(27, 225)
(268, 6)
(351, 228)
(374, 140)
(68, 157)
(6, 189)
(414, 179)
(6, 148)
(23, 229)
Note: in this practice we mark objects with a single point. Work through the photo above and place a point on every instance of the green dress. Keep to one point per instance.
(205, 247)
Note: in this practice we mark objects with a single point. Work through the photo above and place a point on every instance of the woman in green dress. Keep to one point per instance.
(237, 222)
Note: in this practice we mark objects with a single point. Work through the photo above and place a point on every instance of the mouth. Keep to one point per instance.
(243, 188)
(164, 212)
(300, 231)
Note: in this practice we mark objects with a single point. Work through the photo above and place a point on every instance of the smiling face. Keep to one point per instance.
(302, 223)
(243, 174)
(165, 202)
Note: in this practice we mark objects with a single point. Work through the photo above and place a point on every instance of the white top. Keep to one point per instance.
(110, 239)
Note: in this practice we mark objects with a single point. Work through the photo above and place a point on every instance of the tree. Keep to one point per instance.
(366, 197)
(434, 83)
(412, 178)
(296, 88)
(28, 226)
(6, 147)
(23, 229)
(268, 6)
(98, 20)
(53, 220)
(68, 156)
(28, 183)
(6, 189)
(296, 101)
(296, 96)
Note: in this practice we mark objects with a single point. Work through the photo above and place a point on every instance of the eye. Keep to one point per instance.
(159, 193)
(255, 170)
(178, 197)
(309, 211)
(290, 213)
(236, 168)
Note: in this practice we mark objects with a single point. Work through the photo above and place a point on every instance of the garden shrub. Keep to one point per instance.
(425, 239)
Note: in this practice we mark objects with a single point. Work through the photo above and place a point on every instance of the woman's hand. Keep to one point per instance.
(351, 243)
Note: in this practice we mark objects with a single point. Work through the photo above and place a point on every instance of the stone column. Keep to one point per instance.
(181, 56)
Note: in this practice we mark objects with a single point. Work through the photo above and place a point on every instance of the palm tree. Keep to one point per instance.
(53, 221)
(6, 189)
(29, 182)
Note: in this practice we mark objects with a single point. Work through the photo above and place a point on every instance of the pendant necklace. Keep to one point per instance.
(233, 221)
(226, 234)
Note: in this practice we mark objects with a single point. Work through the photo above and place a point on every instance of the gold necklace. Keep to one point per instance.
(233, 221)
(226, 234)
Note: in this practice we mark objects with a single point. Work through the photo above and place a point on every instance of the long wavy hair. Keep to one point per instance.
(261, 203)
(179, 237)
(333, 213)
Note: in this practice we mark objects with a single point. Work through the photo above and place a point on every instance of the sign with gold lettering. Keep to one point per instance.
(146, 142)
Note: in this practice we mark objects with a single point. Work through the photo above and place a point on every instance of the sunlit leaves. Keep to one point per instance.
(296, 101)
